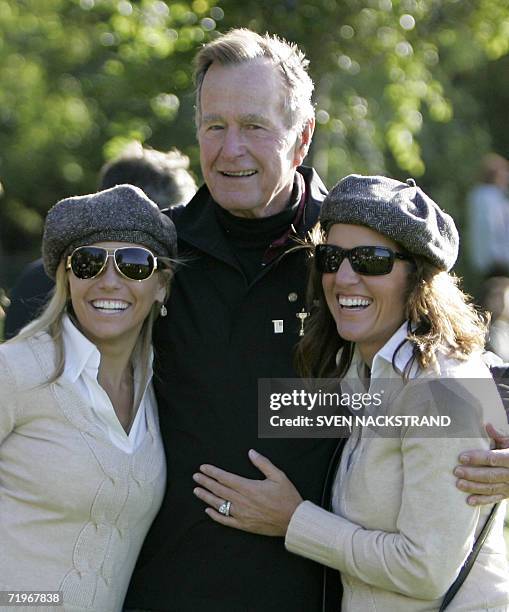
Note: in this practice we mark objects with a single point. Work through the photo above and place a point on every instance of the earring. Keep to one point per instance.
(164, 310)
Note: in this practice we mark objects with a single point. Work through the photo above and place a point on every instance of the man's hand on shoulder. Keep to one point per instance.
(484, 474)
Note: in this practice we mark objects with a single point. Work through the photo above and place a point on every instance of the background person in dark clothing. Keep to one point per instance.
(235, 313)
(163, 176)
(28, 298)
(4, 302)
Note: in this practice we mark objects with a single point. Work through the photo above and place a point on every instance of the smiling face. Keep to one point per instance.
(367, 310)
(110, 308)
(248, 154)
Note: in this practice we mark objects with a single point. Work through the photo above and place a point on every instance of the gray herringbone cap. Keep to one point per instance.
(400, 211)
(120, 214)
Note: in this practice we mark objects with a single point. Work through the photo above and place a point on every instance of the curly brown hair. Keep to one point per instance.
(440, 318)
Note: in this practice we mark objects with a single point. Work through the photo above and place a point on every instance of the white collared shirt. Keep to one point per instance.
(82, 360)
(381, 366)
(445, 366)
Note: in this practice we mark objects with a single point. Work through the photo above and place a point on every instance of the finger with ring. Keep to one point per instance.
(224, 508)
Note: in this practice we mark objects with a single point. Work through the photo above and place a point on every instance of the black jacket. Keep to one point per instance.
(29, 296)
(217, 340)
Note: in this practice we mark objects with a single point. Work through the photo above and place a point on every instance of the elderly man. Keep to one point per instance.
(233, 318)
(235, 315)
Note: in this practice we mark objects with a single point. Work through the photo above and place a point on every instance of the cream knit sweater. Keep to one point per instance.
(74, 509)
(400, 530)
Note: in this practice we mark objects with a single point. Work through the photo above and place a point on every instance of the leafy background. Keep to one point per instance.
(403, 87)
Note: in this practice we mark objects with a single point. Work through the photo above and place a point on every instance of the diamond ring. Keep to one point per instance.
(224, 508)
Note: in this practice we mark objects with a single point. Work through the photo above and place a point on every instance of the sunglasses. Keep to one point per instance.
(133, 263)
(365, 260)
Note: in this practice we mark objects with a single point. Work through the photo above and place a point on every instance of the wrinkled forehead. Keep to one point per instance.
(254, 86)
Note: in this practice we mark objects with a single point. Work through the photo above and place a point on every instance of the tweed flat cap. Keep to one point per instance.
(120, 214)
(400, 211)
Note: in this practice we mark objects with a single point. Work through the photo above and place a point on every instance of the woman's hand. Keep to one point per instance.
(258, 506)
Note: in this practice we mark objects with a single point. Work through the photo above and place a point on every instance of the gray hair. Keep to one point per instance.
(242, 45)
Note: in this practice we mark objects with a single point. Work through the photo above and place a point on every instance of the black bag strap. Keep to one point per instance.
(470, 560)
(332, 589)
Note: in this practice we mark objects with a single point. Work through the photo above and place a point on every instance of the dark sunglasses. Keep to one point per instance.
(133, 263)
(365, 260)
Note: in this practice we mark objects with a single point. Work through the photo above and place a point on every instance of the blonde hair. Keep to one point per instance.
(50, 320)
(440, 316)
(241, 45)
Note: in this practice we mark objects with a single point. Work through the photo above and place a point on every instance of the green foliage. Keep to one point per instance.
(405, 87)
(78, 79)
(382, 68)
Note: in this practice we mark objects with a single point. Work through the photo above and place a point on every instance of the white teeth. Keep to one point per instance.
(353, 302)
(241, 173)
(110, 304)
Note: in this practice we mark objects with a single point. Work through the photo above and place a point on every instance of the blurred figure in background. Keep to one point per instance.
(488, 219)
(163, 176)
(4, 302)
(495, 299)
(488, 247)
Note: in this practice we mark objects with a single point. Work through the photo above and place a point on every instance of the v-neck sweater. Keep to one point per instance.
(74, 508)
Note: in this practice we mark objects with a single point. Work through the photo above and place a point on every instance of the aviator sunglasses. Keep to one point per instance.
(365, 260)
(133, 263)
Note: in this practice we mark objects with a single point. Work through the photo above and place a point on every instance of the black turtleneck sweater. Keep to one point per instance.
(249, 239)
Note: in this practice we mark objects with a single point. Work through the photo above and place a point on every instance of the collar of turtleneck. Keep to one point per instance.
(262, 231)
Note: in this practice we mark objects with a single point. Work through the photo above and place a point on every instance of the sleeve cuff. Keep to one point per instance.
(319, 535)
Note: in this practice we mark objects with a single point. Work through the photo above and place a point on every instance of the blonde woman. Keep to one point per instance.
(82, 468)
